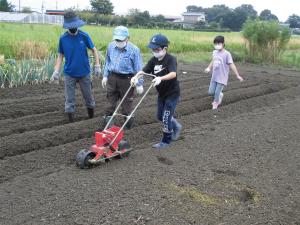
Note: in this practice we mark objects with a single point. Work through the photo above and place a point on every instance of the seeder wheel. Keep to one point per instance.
(83, 157)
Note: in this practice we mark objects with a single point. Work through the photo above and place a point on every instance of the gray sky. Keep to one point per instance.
(281, 8)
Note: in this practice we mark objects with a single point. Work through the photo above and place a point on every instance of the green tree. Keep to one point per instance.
(200, 25)
(137, 17)
(267, 15)
(102, 6)
(248, 10)
(5, 6)
(294, 21)
(234, 20)
(159, 18)
(216, 13)
(194, 8)
(26, 10)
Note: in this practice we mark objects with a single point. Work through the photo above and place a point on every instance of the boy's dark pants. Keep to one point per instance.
(165, 112)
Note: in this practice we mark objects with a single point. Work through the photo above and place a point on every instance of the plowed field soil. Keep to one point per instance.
(237, 165)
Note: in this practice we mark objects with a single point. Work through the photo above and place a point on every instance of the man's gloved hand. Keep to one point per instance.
(97, 70)
(104, 82)
(55, 77)
(207, 70)
(156, 81)
(134, 80)
(139, 89)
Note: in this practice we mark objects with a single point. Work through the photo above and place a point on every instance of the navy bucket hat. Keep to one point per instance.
(72, 21)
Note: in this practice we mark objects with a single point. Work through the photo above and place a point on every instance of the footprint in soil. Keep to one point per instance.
(164, 160)
(226, 172)
(246, 196)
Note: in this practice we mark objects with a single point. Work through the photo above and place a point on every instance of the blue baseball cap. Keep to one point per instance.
(120, 33)
(158, 41)
(72, 21)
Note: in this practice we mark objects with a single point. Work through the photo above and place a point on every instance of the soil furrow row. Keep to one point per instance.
(50, 158)
(19, 143)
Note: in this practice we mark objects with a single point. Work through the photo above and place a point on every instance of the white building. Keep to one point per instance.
(193, 17)
(35, 17)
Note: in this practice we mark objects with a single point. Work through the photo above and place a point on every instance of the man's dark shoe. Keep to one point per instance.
(90, 112)
(104, 121)
(129, 124)
(71, 117)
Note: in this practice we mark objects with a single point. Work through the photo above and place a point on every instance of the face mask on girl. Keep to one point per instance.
(121, 44)
(159, 54)
(218, 46)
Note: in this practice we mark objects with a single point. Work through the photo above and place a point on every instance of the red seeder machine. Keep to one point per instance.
(110, 142)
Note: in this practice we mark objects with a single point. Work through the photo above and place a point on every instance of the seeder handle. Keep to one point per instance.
(133, 111)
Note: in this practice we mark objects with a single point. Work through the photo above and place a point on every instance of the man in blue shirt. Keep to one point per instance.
(123, 60)
(73, 46)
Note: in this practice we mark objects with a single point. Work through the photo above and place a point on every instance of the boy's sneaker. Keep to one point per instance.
(176, 131)
(215, 105)
(221, 98)
(161, 145)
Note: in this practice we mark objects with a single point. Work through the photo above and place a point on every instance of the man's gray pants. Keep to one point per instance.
(85, 84)
(117, 87)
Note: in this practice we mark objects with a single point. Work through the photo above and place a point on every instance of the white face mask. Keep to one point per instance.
(159, 54)
(218, 46)
(121, 45)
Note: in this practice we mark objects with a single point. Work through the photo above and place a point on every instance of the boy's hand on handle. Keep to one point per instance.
(207, 70)
(55, 77)
(104, 82)
(97, 70)
(134, 80)
(156, 81)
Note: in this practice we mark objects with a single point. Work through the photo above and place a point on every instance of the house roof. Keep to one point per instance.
(193, 14)
(55, 12)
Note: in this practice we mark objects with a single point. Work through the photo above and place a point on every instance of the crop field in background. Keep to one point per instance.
(37, 41)
(30, 49)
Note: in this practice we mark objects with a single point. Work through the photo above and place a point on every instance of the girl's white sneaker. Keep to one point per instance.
(215, 105)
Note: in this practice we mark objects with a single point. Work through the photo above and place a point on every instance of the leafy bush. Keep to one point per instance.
(265, 40)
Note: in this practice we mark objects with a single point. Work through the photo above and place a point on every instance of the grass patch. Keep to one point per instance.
(291, 58)
(195, 194)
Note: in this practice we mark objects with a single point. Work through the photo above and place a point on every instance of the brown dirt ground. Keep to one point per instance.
(238, 165)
